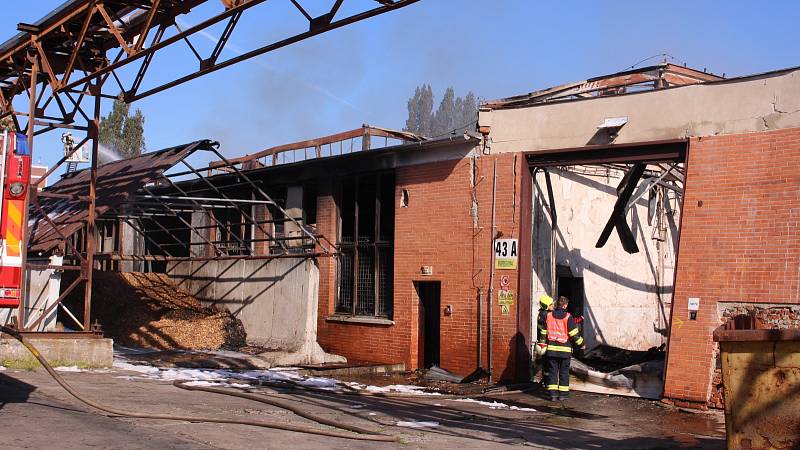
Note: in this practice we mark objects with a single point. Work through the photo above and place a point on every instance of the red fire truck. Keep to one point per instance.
(14, 178)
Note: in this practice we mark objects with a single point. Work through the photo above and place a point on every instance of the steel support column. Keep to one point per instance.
(91, 227)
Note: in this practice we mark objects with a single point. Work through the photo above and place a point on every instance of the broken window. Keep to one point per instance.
(233, 231)
(310, 205)
(366, 245)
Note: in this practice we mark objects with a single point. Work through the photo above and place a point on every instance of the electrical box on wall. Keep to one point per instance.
(694, 307)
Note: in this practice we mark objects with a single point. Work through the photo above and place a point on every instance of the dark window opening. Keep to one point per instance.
(233, 231)
(404, 198)
(366, 245)
(275, 222)
(310, 204)
(571, 287)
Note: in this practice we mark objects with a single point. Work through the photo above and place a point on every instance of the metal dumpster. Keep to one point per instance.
(761, 374)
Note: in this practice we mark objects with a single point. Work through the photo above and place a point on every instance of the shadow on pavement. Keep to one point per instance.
(13, 390)
(551, 425)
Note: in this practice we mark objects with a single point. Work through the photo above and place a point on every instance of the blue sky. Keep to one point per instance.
(364, 73)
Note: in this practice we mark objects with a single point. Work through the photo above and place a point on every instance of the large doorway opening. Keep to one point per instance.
(604, 233)
(429, 294)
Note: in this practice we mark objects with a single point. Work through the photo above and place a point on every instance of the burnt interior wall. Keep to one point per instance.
(626, 297)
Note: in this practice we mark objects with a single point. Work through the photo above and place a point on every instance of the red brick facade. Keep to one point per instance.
(436, 229)
(739, 243)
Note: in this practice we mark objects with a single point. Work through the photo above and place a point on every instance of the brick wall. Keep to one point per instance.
(437, 229)
(739, 243)
(766, 316)
(261, 213)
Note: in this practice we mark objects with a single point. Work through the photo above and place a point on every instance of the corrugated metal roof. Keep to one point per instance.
(116, 182)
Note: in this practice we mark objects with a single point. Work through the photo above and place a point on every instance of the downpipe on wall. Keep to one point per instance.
(491, 270)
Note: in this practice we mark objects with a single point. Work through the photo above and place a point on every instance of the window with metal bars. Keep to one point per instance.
(366, 245)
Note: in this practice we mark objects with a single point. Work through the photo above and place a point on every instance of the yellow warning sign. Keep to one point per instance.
(505, 297)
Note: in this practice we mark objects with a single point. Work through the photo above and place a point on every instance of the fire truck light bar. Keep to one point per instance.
(9, 293)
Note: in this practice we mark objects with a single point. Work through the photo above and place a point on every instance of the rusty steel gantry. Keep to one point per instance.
(76, 55)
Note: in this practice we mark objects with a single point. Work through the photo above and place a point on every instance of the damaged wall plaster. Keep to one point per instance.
(758, 103)
(627, 296)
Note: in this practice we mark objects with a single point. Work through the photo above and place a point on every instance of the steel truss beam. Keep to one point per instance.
(56, 64)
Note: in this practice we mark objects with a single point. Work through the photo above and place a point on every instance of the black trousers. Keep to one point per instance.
(558, 375)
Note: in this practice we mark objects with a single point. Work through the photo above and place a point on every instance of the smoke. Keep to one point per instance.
(293, 94)
(238, 51)
(108, 155)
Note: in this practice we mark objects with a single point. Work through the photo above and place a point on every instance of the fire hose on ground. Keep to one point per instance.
(364, 434)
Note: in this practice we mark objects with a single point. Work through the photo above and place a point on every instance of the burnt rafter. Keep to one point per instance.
(617, 219)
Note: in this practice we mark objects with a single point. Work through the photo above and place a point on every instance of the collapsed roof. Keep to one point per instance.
(62, 208)
(659, 76)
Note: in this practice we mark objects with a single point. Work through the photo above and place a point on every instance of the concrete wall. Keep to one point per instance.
(757, 103)
(275, 299)
(627, 296)
(42, 289)
(84, 353)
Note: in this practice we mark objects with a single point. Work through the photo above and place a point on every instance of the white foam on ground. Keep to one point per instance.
(67, 369)
(413, 424)
(217, 377)
(393, 389)
(2, 368)
(227, 378)
(517, 408)
(494, 404)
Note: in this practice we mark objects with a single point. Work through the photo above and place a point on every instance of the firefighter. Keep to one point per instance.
(545, 306)
(561, 329)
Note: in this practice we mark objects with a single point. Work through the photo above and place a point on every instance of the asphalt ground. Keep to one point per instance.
(36, 413)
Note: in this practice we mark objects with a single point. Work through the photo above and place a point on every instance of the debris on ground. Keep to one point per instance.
(205, 359)
(609, 369)
(150, 310)
(436, 373)
(417, 378)
(606, 358)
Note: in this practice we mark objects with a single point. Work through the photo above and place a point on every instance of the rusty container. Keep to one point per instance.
(761, 374)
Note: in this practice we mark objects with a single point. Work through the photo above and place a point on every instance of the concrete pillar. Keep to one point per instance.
(200, 219)
(294, 208)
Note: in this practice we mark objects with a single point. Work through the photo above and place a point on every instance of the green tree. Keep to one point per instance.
(133, 135)
(444, 121)
(467, 112)
(122, 133)
(454, 114)
(420, 111)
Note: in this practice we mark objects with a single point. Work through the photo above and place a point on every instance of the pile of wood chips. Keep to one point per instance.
(150, 310)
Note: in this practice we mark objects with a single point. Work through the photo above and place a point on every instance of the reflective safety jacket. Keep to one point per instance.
(561, 329)
(541, 325)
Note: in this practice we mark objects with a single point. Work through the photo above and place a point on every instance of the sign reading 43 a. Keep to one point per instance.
(505, 254)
